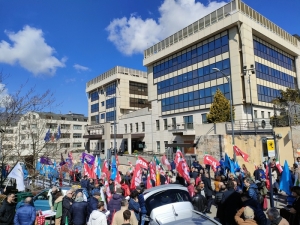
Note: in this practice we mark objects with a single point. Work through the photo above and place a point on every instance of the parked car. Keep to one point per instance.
(171, 204)
(41, 199)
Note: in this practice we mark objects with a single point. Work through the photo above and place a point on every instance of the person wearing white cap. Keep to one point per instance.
(248, 215)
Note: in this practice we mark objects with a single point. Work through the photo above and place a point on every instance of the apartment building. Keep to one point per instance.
(257, 56)
(111, 95)
(25, 137)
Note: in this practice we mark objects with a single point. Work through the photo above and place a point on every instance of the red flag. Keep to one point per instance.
(89, 171)
(209, 160)
(117, 160)
(142, 162)
(279, 166)
(166, 162)
(137, 177)
(181, 166)
(149, 183)
(108, 193)
(152, 171)
(105, 170)
(70, 156)
(239, 152)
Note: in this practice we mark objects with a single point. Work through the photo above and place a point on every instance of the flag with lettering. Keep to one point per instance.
(209, 160)
(239, 152)
(105, 170)
(181, 166)
(137, 177)
(142, 162)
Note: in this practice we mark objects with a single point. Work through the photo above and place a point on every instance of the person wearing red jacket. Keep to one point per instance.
(191, 187)
(125, 188)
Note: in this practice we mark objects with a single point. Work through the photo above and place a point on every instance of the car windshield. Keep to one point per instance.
(166, 197)
(195, 219)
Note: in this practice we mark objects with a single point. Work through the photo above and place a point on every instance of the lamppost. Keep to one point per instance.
(229, 80)
(251, 71)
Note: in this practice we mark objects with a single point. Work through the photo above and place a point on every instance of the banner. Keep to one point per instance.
(239, 152)
(17, 173)
(181, 166)
(142, 162)
(89, 159)
(137, 177)
(209, 160)
(45, 160)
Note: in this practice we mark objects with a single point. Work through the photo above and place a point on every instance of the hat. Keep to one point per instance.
(248, 213)
(97, 193)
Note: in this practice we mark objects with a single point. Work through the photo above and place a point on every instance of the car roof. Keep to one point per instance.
(150, 191)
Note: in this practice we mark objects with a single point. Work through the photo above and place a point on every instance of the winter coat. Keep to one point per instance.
(58, 207)
(25, 215)
(259, 215)
(218, 197)
(191, 190)
(97, 218)
(125, 189)
(114, 204)
(241, 221)
(7, 213)
(194, 175)
(79, 213)
(135, 207)
(112, 187)
(199, 202)
(118, 217)
(84, 183)
(207, 187)
(252, 191)
(66, 210)
(92, 205)
(142, 203)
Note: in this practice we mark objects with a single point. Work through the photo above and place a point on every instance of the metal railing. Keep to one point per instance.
(248, 126)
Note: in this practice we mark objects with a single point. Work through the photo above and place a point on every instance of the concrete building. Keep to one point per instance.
(182, 82)
(111, 95)
(24, 139)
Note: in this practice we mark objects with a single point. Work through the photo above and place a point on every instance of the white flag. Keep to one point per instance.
(17, 173)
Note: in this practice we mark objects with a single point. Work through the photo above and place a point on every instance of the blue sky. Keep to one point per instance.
(62, 44)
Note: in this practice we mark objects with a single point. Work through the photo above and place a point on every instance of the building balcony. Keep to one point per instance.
(250, 127)
(182, 129)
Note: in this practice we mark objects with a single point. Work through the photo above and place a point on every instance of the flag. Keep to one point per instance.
(87, 158)
(227, 161)
(45, 160)
(166, 162)
(239, 152)
(149, 183)
(47, 136)
(131, 168)
(117, 160)
(109, 195)
(52, 137)
(152, 172)
(17, 173)
(209, 160)
(58, 133)
(97, 166)
(62, 161)
(113, 169)
(105, 170)
(70, 155)
(278, 166)
(181, 166)
(89, 170)
(137, 177)
(25, 172)
(143, 162)
(286, 179)
(38, 166)
(157, 178)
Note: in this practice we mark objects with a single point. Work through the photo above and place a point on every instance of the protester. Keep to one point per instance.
(66, 207)
(248, 215)
(219, 194)
(7, 210)
(97, 217)
(114, 204)
(296, 174)
(143, 212)
(111, 185)
(251, 189)
(58, 207)
(217, 183)
(125, 188)
(194, 173)
(118, 217)
(298, 161)
(26, 214)
(51, 196)
(208, 191)
(275, 218)
(293, 214)
(79, 210)
(134, 204)
(126, 217)
(199, 201)
(191, 187)
(84, 182)
(93, 204)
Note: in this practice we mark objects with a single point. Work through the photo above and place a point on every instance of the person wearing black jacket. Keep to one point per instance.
(66, 207)
(199, 202)
(208, 191)
(79, 210)
(8, 210)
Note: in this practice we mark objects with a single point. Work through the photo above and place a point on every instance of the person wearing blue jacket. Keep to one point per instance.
(143, 212)
(134, 204)
(79, 210)
(251, 188)
(26, 214)
(93, 204)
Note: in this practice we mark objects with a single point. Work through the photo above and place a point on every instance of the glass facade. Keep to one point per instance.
(94, 96)
(136, 88)
(194, 98)
(197, 54)
(95, 108)
(194, 77)
(111, 116)
(275, 76)
(110, 103)
(139, 103)
(266, 94)
(111, 89)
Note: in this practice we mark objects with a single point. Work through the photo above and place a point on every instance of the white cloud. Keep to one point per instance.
(5, 98)
(134, 35)
(30, 50)
(80, 68)
(70, 80)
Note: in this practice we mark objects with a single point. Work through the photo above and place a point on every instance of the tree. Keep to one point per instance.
(220, 109)
(288, 104)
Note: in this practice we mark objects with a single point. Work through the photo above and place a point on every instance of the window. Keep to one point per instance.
(165, 124)
(139, 103)
(63, 118)
(77, 127)
(101, 92)
(125, 128)
(77, 135)
(138, 88)
(136, 127)
(77, 145)
(102, 115)
(33, 126)
(173, 123)
(188, 122)
(111, 89)
(94, 96)
(143, 126)
(64, 135)
(110, 103)
(75, 119)
(95, 108)
(204, 119)
(269, 115)
(102, 103)
(130, 128)
(262, 114)
(158, 146)
(165, 143)
(65, 126)
(255, 114)
(157, 125)
(23, 136)
(65, 145)
(110, 116)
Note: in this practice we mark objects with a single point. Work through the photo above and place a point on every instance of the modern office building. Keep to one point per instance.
(111, 95)
(25, 138)
(182, 80)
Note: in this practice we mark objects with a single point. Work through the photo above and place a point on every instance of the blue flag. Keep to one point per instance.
(227, 162)
(286, 179)
(113, 168)
(25, 172)
(58, 133)
(38, 166)
(48, 136)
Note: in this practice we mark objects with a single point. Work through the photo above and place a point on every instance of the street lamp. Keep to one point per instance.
(231, 106)
(251, 71)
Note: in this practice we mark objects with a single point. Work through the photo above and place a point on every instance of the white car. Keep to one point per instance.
(171, 204)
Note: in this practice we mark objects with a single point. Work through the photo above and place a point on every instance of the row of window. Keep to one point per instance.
(111, 116)
(194, 98)
(136, 88)
(94, 96)
(194, 77)
(111, 89)
(273, 56)
(110, 103)
(275, 76)
(136, 127)
(139, 103)
(95, 108)
(267, 94)
(201, 53)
